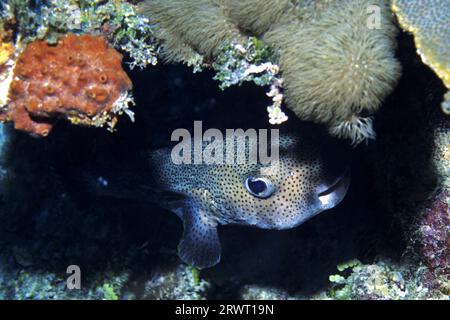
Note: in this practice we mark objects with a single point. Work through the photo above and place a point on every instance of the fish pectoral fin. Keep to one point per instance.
(199, 245)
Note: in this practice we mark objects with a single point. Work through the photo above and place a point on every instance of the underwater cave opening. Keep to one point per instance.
(49, 216)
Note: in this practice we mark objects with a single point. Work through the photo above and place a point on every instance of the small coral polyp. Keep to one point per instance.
(80, 79)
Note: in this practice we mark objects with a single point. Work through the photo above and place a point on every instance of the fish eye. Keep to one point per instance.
(259, 187)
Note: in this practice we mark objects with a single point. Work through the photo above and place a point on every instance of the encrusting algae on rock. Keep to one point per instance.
(82, 80)
(428, 21)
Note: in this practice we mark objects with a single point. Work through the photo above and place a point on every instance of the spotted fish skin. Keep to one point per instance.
(304, 183)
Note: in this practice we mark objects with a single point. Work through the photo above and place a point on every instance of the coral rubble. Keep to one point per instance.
(433, 242)
(431, 235)
(428, 21)
(182, 283)
(81, 80)
(382, 280)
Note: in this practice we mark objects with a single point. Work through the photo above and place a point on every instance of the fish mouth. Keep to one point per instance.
(334, 194)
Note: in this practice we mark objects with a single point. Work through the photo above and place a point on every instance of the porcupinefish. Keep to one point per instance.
(278, 195)
(281, 195)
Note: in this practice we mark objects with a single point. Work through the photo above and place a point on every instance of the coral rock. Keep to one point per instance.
(435, 238)
(6, 51)
(80, 79)
(428, 21)
(6, 68)
(433, 242)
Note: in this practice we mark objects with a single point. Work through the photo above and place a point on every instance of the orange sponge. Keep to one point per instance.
(80, 79)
